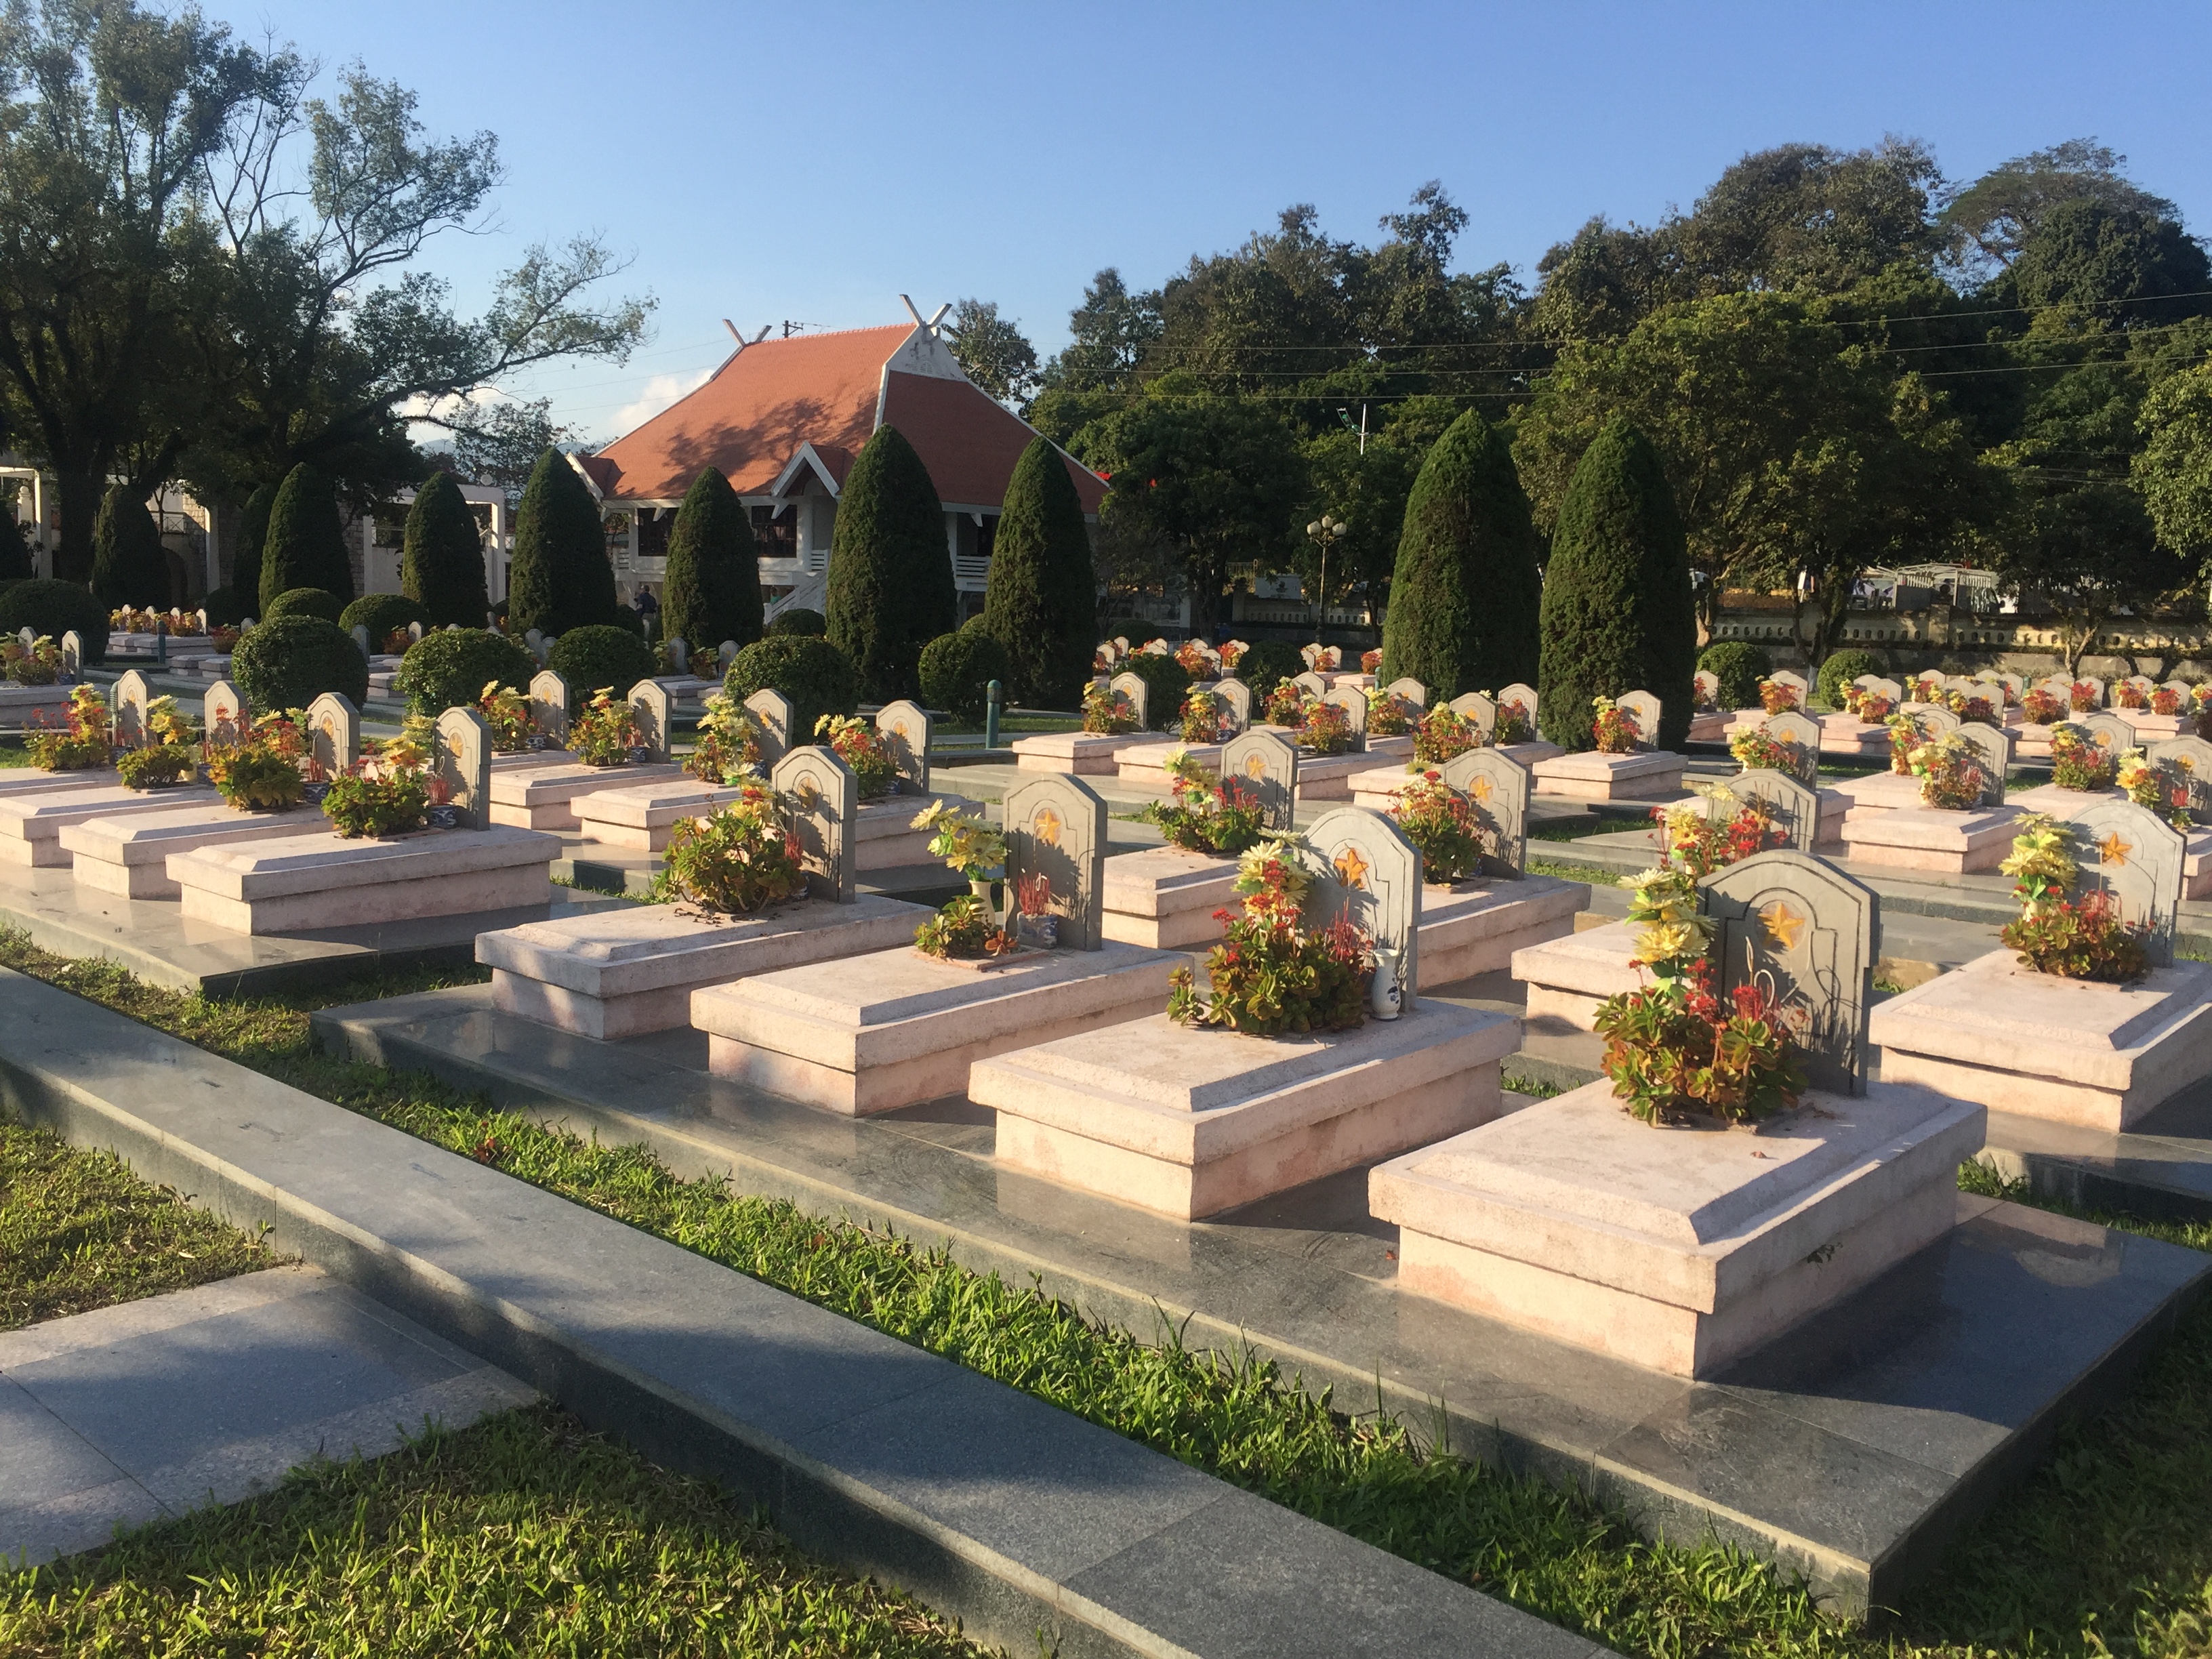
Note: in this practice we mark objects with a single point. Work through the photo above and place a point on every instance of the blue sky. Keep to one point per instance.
(813, 162)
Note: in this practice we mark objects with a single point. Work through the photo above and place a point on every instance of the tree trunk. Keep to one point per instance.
(78, 495)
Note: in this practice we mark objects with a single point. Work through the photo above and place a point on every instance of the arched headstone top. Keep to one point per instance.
(224, 715)
(1353, 702)
(460, 757)
(1705, 688)
(548, 706)
(1523, 695)
(1267, 765)
(2107, 729)
(1794, 806)
(1234, 697)
(1994, 747)
(1474, 707)
(773, 714)
(2097, 688)
(1363, 867)
(2187, 763)
(1803, 733)
(1311, 683)
(1056, 826)
(821, 803)
(1131, 690)
(361, 641)
(905, 728)
(1796, 926)
(72, 653)
(1933, 719)
(333, 733)
(680, 654)
(652, 708)
(1408, 689)
(129, 698)
(1642, 709)
(1496, 787)
(2135, 855)
(1882, 688)
(1790, 678)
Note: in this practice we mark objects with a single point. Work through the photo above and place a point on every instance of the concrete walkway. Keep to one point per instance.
(148, 1409)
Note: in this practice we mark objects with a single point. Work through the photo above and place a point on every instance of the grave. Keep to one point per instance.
(1166, 898)
(1479, 924)
(326, 880)
(127, 853)
(1947, 841)
(874, 1033)
(546, 797)
(333, 734)
(639, 819)
(1804, 737)
(1188, 1121)
(617, 972)
(38, 781)
(128, 700)
(886, 838)
(224, 717)
(31, 824)
(2097, 1056)
(1645, 775)
(772, 716)
(1684, 1248)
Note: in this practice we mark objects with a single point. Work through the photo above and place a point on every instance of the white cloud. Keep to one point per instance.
(660, 391)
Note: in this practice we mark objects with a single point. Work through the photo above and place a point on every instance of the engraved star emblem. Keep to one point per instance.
(1352, 869)
(2113, 850)
(1783, 924)
(1255, 767)
(1480, 790)
(2184, 763)
(808, 793)
(1046, 826)
(899, 732)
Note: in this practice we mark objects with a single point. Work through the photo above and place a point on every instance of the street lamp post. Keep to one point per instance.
(1325, 532)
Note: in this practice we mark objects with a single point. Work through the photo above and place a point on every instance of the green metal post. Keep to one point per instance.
(993, 696)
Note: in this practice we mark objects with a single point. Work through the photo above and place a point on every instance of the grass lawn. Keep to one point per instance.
(79, 1232)
(1567, 871)
(2107, 1549)
(524, 1534)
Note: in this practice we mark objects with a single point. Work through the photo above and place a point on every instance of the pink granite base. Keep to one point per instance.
(1188, 1122)
(1569, 978)
(1847, 735)
(874, 1033)
(1146, 765)
(1080, 754)
(1932, 839)
(1877, 792)
(1646, 775)
(2096, 1056)
(2057, 802)
(1477, 926)
(884, 835)
(36, 780)
(327, 881)
(641, 819)
(128, 856)
(1709, 725)
(31, 824)
(545, 797)
(1166, 899)
(1676, 1248)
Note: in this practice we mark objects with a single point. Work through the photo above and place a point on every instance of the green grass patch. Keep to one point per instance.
(524, 1534)
(79, 1232)
(1531, 1086)
(12, 752)
(2107, 1548)
(1566, 871)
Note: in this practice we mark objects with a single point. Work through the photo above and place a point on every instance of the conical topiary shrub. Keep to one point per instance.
(128, 564)
(561, 578)
(306, 543)
(252, 537)
(441, 565)
(891, 574)
(1042, 603)
(1618, 611)
(711, 590)
(1464, 595)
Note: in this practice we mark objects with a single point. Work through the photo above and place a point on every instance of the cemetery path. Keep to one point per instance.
(137, 1412)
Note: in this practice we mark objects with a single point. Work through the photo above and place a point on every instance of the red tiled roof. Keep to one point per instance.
(771, 398)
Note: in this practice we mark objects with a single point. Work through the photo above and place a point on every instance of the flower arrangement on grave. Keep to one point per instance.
(728, 748)
(2042, 707)
(1695, 840)
(387, 792)
(1928, 690)
(1287, 706)
(1232, 652)
(1387, 716)
(1775, 695)
(506, 712)
(1100, 662)
(1515, 724)
(1757, 750)
(1903, 739)
(1205, 717)
(39, 663)
(1968, 707)
(1153, 648)
(1370, 662)
(2056, 935)
(2083, 698)
(124, 620)
(2200, 695)
(737, 860)
(1192, 654)
(864, 749)
(85, 741)
(1035, 926)
(1443, 827)
(2129, 695)
(2165, 699)
(963, 929)
(1270, 974)
(1951, 773)
(974, 847)
(604, 733)
(265, 772)
(1106, 712)
(223, 638)
(1870, 706)
(170, 754)
(2147, 786)
(2078, 762)
(1326, 729)
(1673, 1049)
(1205, 813)
(1612, 730)
(396, 642)
(1442, 734)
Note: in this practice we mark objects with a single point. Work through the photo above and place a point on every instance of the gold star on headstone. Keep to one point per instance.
(1480, 790)
(1783, 924)
(1045, 826)
(1255, 767)
(808, 793)
(2113, 850)
(1351, 868)
(899, 732)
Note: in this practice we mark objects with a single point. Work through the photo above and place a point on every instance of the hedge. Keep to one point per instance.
(379, 613)
(602, 657)
(1739, 666)
(891, 577)
(287, 662)
(306, 544)
(128, 564)
(817, 678)
(1842, 667)
(1041, 601)
(307, 602)
(958, 669)
(1268, 663)
(56, 608)
(441, 561)
(561, 579)
(450, 668)
(710, 590)
(800, 621)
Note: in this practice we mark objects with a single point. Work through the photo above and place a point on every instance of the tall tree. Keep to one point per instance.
(109, 112)
(1465, 596)
(891, 573)
(498, 443)
(1989, 223)
(1041, 602)
(129, 566)
(441, 561)
(1618, 614)
(306, 544)
(710, 590)
(252, 537)
(993, 351)
(2174, 470)
(561, 577)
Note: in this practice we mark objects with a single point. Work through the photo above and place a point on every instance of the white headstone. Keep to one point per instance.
(333, 734)
(460, 756)
(905, 728)
(650, 707)
(548, 706)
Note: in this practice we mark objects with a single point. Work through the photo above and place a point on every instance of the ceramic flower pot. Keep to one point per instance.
(1386, 999)
(1039, 932)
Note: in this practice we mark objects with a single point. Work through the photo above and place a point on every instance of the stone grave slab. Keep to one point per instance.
(1267, 765)
(127, 853)
(886, 838)
(2057, 801)
(333, 734)
(1878, 792)
(546, 797)
(773, 716)
(1146, 765)
(31, 824)
(1329, 777)
(1482, 924)
(34, 708)
(550, 705)
(1080, 754)
(1365, 868)
(1646, 775)
(38, 781)
(639, 819)
(1679, 1249)
(1166, 899)
(1568, 978)
(1846, 734)
(1804, 736)
(1932, 838)
(326, 880)
(1708, 725)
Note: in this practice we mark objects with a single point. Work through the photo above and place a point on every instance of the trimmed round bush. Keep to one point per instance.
(287, 662)
(450, 668)
(817, 678)
(958, 669)
(55, 608)
(307, 602)
(1841, 668)
(225, 607)
(601, 657)
(379, 613)
(1268, 664)
(1165, 681)
(802, 623)
(1739, 666)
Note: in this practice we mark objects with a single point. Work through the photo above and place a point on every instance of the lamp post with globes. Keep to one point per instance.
(1325, 532)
